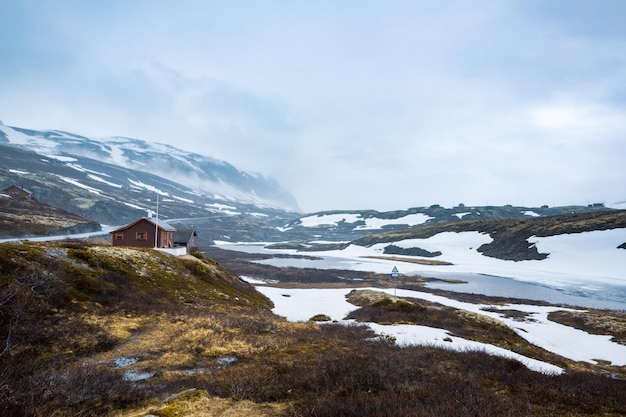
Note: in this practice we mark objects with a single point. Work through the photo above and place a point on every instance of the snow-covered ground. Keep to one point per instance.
(371, 223)
(302, 304)
(589, 257)
(584, 260)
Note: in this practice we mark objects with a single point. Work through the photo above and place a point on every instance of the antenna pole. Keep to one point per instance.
(156, 224)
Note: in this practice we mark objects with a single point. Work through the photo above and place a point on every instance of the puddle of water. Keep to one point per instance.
(134, 376)
(227, 360)
(123, 362)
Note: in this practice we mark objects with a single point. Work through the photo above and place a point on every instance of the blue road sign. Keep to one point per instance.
(394, 273)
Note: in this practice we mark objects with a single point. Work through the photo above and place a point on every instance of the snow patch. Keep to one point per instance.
(301, 304)
(102, 180)
(61, 158)
(19, 172)
(411, 220)
(141, 185)
(81, 185)
(371, 223)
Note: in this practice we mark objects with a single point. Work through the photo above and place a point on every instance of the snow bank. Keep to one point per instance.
(371, 223)
(571, 343)
(302, 304)
(581, 258)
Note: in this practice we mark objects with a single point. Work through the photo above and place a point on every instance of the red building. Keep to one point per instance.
(141, 233)
(19, 193)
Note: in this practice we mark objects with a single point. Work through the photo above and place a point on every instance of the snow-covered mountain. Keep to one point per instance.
(115, 180)
(204, 175)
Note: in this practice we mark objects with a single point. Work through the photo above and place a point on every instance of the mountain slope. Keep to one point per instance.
(354, 224)
(206, 176)
(115, 195)
(510, 236)
(29, 218)
(116, 180)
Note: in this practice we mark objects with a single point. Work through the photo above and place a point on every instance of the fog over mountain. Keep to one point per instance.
(203, 175)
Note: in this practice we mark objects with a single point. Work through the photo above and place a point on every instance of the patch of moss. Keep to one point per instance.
(320, 317)
(179, 404)
(399, 305)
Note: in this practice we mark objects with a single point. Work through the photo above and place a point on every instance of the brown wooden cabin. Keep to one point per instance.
(19, 193)
(141, 233)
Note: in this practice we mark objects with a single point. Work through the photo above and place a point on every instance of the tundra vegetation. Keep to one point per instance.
(93, 330)
(33, 218)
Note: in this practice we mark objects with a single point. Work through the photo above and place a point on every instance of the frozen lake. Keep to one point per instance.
(600, 295)
(553, 287)
(604, 296)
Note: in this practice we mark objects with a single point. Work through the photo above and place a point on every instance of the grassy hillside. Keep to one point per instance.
(28, 218)
(91, 330)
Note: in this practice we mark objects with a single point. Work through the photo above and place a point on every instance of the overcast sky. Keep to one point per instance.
(349, 104)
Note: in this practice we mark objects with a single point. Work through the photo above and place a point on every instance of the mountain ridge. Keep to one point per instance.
(116, 180)
(205, 174)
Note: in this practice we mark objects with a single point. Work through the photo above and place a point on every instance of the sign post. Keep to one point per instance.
(395, 275)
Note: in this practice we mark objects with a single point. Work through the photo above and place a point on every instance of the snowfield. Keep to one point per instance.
(371, 223)
(584, 260)
(302, 304)
(588, 258)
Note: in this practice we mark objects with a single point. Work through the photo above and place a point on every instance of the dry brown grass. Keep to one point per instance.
(595, 321)
(240, 359)
(204, 405)
(118, 325)
(412, 260)
(382, 308)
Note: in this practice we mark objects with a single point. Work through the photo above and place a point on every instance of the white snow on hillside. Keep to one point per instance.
(221, 207)
(141, 185)
(19, 138)
(19, 172)
(102, 180)
(183, 199)
(411, 220)
(329, 219)
(81, 168)
(80, 185)
(61, 158)
(371, 223)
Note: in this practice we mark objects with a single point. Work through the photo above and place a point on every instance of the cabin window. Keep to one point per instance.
(142, 236)
(119, 236)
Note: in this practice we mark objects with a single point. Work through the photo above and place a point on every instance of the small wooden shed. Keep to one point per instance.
(186, 238)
